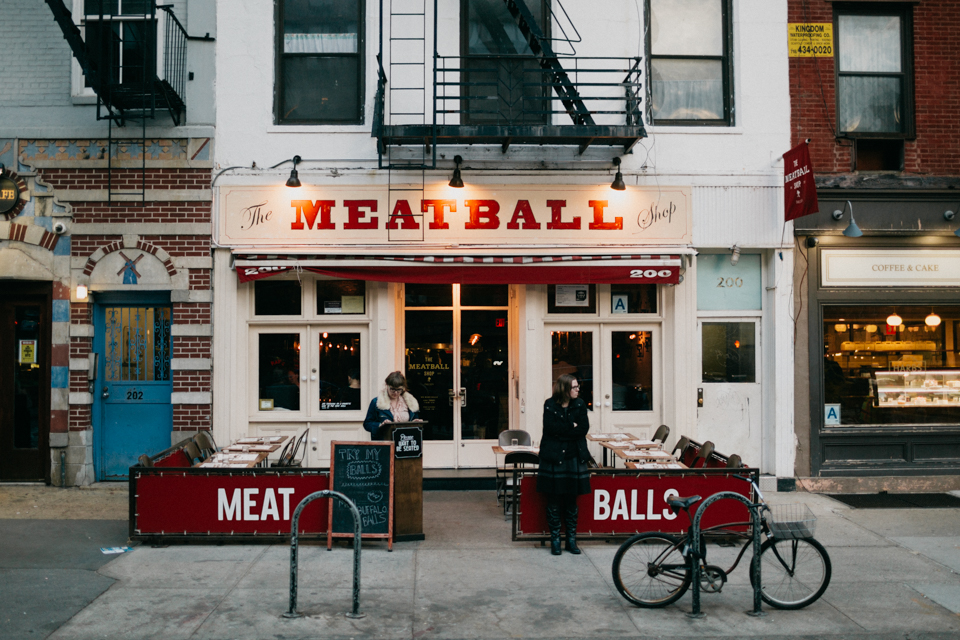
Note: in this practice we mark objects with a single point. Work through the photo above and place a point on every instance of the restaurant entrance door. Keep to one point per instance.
(24, 385)
(458, 364)
(619, 370)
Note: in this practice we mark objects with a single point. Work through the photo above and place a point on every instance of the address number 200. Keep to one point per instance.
(650, 273)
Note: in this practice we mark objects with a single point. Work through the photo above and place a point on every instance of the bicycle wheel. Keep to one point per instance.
(794, 573)
(650, 571)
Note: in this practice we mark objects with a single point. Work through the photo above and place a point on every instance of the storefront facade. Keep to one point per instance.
(882, 313)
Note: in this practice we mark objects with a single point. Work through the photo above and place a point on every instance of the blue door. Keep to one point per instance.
(133, 385)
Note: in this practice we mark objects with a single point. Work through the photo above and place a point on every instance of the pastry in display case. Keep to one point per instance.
(918, 388)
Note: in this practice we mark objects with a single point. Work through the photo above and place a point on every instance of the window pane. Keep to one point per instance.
(572, 298)
(429, 369)
(320, 89)
(276, 298)
(340, 372)
(870, 105)
(279, 365)
(631, 359)
(320, 26)
(687, 89)
(633, 298)
(492, 30)
(136, 344)
(428, 295)
(341, 296)
(686, 27)
(729, 352)
(879, 373)
(572, 352)
(869, 43)
(484, 372)
(484, 295)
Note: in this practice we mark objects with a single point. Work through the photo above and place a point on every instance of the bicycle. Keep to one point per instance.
(655, 569)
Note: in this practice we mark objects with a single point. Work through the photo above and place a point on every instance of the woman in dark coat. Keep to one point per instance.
(394, 404)
(563, 459)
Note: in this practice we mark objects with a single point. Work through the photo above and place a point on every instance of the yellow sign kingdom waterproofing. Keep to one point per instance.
(810, 40)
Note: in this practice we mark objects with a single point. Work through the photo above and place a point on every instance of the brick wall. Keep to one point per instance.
(936, 64)
(128, 178)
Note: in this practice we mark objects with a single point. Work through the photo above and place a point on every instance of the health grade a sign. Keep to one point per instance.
(476, 215)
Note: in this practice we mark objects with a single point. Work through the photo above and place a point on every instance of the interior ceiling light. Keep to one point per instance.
(894, 320)
(456, 181)
(852, 230)
(617, 184)
(840, 328)
(871, 328)
(294, 179)
(932, 320)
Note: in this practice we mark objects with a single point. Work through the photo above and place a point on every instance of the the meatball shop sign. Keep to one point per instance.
(478, 215)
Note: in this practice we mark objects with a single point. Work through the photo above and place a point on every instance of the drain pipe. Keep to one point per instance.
(63, 469)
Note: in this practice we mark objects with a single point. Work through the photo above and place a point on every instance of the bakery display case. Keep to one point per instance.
(918, 388)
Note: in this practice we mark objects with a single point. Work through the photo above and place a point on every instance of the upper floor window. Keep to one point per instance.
(120, 37)
(319, 62)
(873, 60)
(689, 54)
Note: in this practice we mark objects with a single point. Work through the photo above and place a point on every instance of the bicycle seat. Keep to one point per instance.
(683, 503)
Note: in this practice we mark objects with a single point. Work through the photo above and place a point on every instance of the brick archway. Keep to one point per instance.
(117, 245)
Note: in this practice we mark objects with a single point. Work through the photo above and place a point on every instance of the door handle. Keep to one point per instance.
(463, 396)
(105, 394)
(453, 394)
(700, 397)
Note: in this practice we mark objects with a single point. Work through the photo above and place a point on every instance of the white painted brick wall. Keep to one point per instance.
(36, 59)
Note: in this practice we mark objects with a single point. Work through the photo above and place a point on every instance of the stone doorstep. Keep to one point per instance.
(876, 484)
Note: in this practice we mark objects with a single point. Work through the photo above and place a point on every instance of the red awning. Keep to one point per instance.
(447, 269)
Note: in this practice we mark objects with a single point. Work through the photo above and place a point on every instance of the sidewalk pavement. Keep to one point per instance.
(896, 574)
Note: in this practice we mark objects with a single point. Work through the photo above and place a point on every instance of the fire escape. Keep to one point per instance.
(134, 60)
(536, 96)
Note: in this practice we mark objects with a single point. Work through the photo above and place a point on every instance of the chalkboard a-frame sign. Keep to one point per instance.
(362, 471)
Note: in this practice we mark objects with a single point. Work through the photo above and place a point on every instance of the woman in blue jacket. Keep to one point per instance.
(394, 404)
(563, 473)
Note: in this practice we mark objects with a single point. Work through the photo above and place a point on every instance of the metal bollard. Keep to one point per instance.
(754, 564)
(294, 539)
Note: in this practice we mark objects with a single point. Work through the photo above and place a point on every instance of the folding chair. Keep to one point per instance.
(205, 443)
(733, 462)
(145, 461)
(700, 461)
(192, 451)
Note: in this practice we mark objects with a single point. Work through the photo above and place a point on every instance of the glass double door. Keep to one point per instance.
(458, 366)
(619, 370)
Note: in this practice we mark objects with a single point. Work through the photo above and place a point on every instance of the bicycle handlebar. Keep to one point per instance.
(755, 486)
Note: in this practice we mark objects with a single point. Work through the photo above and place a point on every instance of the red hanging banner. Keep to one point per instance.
(800, 190)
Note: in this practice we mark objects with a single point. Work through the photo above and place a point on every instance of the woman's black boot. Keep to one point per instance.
(570, 519)
(553, 523)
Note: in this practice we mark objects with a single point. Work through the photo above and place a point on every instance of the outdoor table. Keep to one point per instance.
(238, 448)
(645, 455)
(234, 460)
(650, 465)
(609, 437)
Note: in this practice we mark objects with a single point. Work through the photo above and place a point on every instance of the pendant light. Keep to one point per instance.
(932, 320)
(456, 181)
(617, 184)
(894, 320)
(294, 180)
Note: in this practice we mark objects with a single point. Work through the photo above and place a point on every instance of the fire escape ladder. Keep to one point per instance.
(543, 50)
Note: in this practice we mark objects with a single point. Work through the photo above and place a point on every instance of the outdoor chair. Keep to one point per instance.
(680, 445)
(145, 461)
(192, 451)
(733, 462)
(663, 431)
(205, 443)
(506, 438)
(292, 454)
(518, 461)
(700, 461)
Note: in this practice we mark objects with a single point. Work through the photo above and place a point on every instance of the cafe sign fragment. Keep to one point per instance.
(495, 215)
(889, 268)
